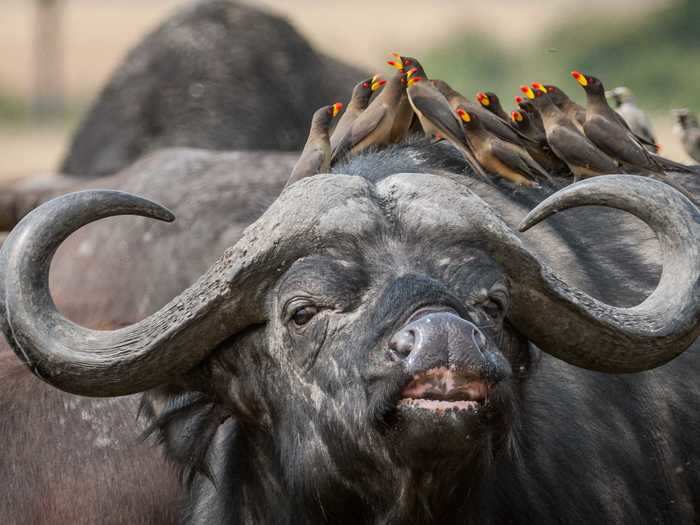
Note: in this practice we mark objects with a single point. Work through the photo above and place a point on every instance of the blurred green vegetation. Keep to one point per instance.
(12, 109)
(658, 57)
(16, 111)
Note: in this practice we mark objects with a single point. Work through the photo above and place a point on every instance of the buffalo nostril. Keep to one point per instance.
(402, 343)
(479, 339)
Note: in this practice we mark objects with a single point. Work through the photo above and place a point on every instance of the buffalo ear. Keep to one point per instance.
(184, 422)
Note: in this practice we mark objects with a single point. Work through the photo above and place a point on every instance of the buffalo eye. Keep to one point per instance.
(492, 308)
(497, 302)
(303, 315)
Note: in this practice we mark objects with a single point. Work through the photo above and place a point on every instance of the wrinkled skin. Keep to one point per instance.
(341, 385)
(298, 424)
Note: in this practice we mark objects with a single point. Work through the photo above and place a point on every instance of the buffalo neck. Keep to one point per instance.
(348, 488)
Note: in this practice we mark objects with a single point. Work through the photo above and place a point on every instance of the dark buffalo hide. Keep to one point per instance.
(577, 446)
(216, 75)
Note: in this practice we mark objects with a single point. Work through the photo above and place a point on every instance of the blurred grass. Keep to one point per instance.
(656, 56)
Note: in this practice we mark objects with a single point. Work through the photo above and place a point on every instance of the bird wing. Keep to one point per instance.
(498, 127)
(576, 150)
(616, 141)
(510, 157)
(364, 124)
(519, 159)
(522, 135)
(436, 109)
(310, 163)
(341, 130)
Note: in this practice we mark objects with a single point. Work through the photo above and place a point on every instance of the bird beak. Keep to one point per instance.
(397, 65)
(377, 84)
(411, 71)
(516, 116)
(483, 98)
(580, 78)
(413, 80)
(537, 85)
(463, 115)
(527, 92)
(337, 108)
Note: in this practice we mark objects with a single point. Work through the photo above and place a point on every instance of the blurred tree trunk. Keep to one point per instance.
(48, 95)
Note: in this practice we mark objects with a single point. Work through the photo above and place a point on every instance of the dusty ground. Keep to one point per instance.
(99, 32)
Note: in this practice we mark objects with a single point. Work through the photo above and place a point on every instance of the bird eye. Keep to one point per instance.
(365, 85)
(407, 62)
(304, 314)
(551, 90)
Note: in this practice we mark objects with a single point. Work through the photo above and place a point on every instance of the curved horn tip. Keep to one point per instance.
(107, 203)
(535, 217)
(147, 207)
(162, 213)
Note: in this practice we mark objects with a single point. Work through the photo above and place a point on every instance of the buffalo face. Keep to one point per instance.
(413, 353)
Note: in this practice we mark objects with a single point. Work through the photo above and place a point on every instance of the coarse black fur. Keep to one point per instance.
(559, 444)
(287, 426)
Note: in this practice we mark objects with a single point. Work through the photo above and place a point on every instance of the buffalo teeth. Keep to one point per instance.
(437, 405)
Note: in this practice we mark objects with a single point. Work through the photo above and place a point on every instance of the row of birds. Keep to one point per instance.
(549, 134)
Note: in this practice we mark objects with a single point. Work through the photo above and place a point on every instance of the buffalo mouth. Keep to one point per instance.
(444, 389)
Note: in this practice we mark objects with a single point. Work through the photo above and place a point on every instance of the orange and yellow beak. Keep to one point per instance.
(483, 98)
(337, 108)
(466, 117)
(516, 116)
(410, 78)
(413, 80)
(377, 83)
(580, 78)
(540, 87)
(398, 64)
(527, 91)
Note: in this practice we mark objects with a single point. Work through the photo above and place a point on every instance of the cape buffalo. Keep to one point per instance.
(381, 347)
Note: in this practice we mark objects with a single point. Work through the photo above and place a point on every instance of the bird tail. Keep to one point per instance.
(671, 165)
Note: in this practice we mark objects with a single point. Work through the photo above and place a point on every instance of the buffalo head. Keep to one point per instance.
(360, 325)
